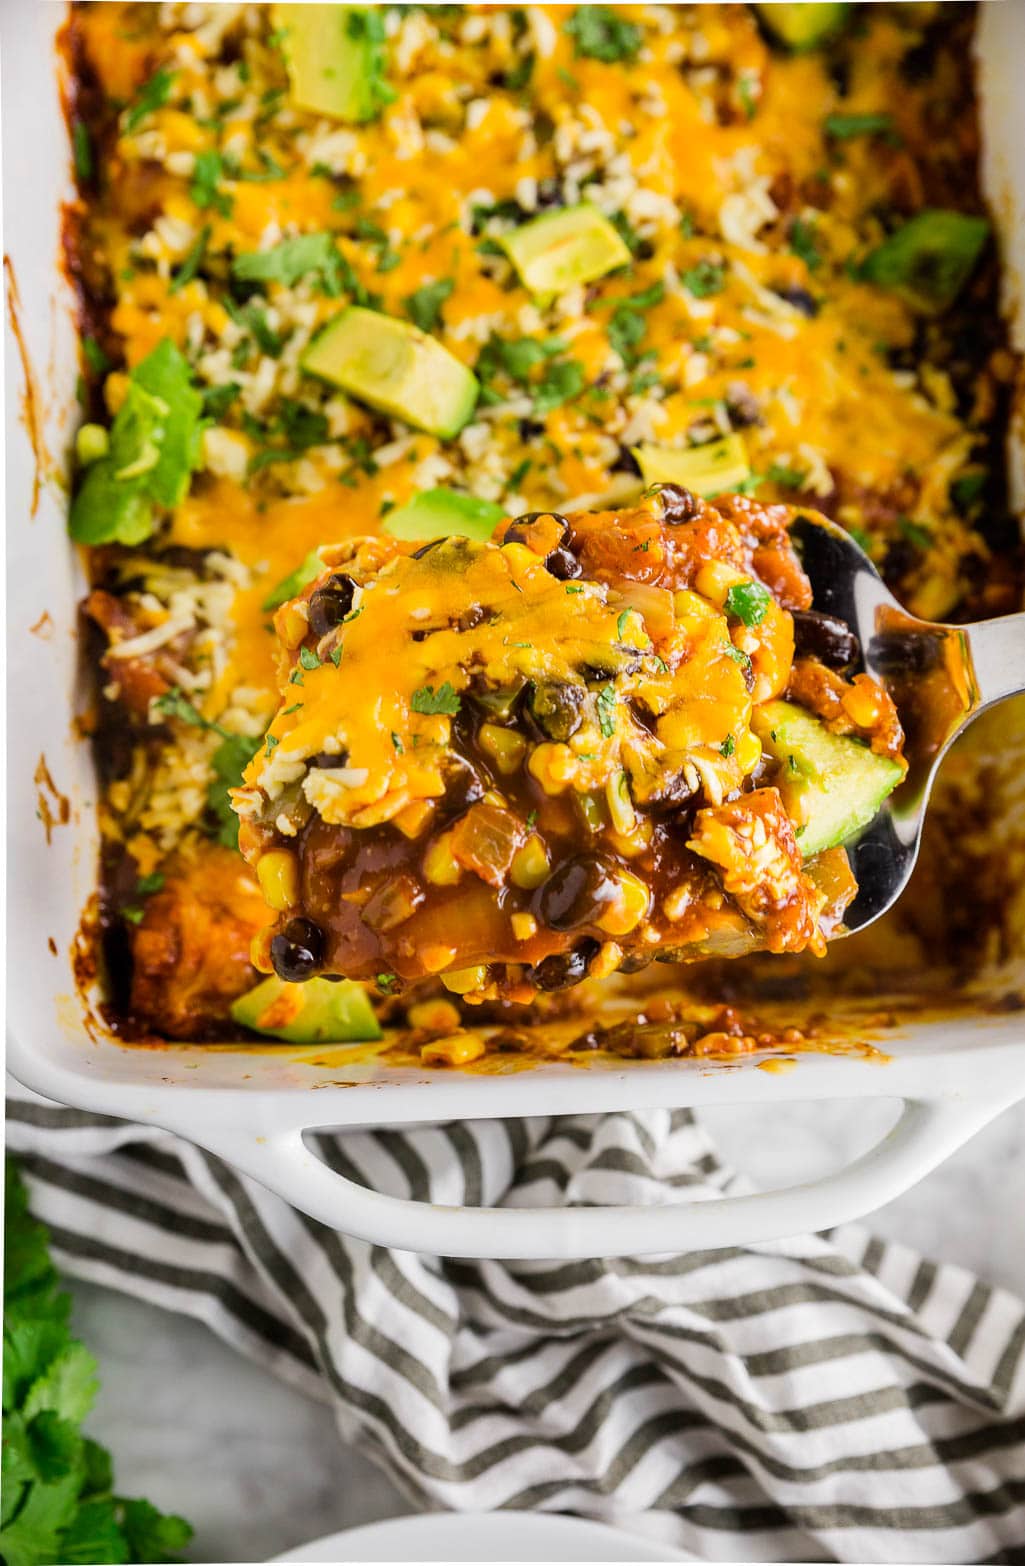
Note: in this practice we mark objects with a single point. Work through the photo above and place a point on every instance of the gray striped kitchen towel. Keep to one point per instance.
(833, 1398)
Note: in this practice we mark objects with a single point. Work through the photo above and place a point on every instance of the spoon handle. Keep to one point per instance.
(998, 657)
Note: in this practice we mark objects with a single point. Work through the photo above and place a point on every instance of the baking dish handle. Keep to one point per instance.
(926, 1133)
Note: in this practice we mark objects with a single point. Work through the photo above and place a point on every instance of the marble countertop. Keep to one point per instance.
(258, 1469)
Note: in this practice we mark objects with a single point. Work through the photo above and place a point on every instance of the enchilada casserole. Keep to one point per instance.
(442, 305)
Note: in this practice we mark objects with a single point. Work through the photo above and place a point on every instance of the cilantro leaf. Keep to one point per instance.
(842, 127)
(430, 701)
(424, 306)
(606, 703)
(57, 1503)
(748, 602)
(293, 259)
(229, 761)
(705, 279)
(599, 34)
(205, 190)
(627, 325)
(152, 95)
(802, 243)
(194, 258)
(82, 152)
(563, 379)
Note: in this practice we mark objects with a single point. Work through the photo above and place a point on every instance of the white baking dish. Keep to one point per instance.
(252, 1106)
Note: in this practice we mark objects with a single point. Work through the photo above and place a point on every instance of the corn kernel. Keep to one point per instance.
(529, 864)
(412, 820)
(292, 624)
(554, 766)
(715, 579)
(436, 1015)
(278, 875)
(524, 925)
(434, 957)
(689, 605)
(605, 961)
(748, 752)
(462, 980)
(506, 748)
(458, 1049)
(861, 702)
(259, 950)
(440, 865)
(620, 917)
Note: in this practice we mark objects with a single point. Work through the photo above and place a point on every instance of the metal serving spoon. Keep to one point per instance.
(940, 677)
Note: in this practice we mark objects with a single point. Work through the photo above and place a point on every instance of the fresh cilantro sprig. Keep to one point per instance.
(424, 306)
(599, 34)
(429, 701)
(58, 1502)
(228, 761)
(748, 602)
(151, 95)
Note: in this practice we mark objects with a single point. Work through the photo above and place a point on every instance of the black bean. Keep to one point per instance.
(678, 504)
(556, 708)
(425, 549)
(626, 462)
(906, 652)
(563, 564)
(575, 893)
(297, 951)
(529, 429)
(742, 406)
(327, 761)
(464, 786)
(825, 637)
(516, 532)
(331, 603)
(801, 300)
(562, 969)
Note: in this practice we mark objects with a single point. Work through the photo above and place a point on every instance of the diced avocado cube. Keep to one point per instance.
(561, 249)
(440, 513)
(803, 26)
(293, 583)
(335, 59)
(708, 470)
(317, 1012)
(929, 259)
(832, 786)
(395, 367)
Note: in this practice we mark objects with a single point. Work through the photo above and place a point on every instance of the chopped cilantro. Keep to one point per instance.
(400, 749)
(173, 704)
(621, 623)
(606, 704)
(94, 356)
(82, 152)
(531, 821)
(386, 982)
(272, 743)
(308, 658)
(704, 279)
(561, 381)
(296, 706)
(424, 306)
(598, 33)
(293, 259)
(745, 92)
(967, 489)
(737, 654)
(842, 127)
(58, 1501)
(146, 885)
(365, 24)
(152, 95)
(567, 79)
(783, 475)
(336, 655)
(519, 473)
(229, 761)
(430, 701)
(205, 187)
(802, 243)
(915, 533)
(573, 590)
(194, 258)
(627, 325)
(728, 746)
(748, 602)
(218, 399)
